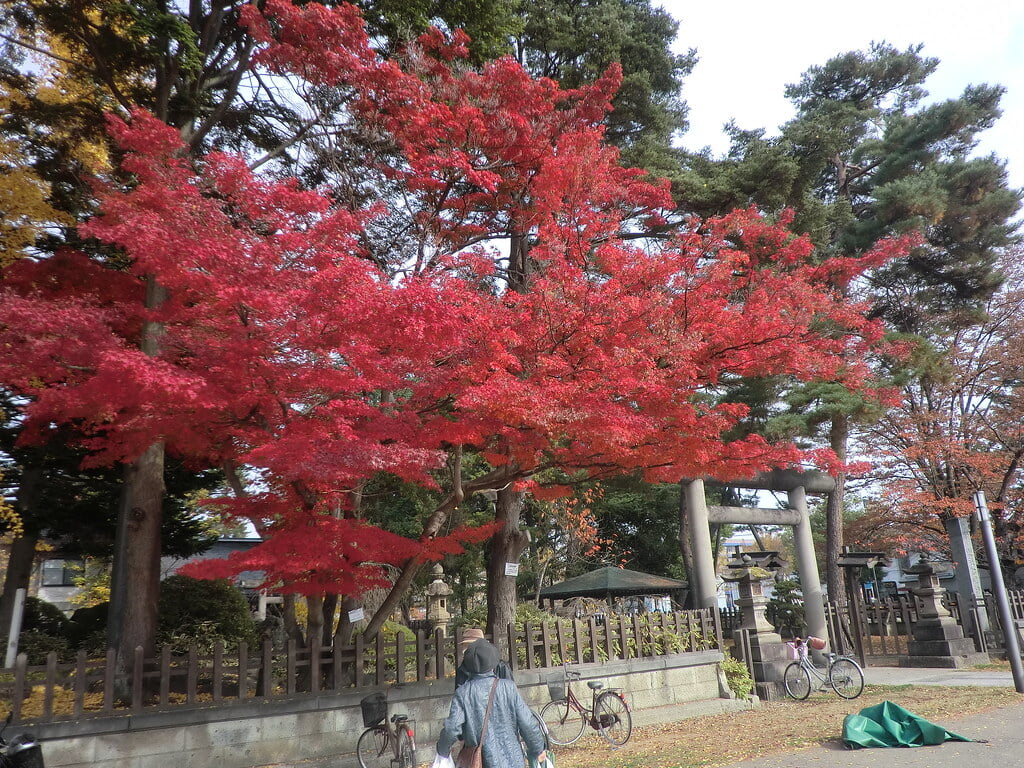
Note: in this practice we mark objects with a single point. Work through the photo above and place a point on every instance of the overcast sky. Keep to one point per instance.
(750, 50)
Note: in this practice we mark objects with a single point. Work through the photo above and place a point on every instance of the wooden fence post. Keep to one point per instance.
(218, 670)
(20, 679)
(193, 674)
(108, 681)
(80, 671)
(267, 672)
(560, 639)
(421, 656)
(243, 670)
(314, 665)
(51, 681)
(381, 676)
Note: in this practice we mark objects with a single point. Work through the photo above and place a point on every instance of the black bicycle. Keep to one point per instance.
(385, 743)
(565, 716)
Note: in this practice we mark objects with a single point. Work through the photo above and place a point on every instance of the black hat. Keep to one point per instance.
(480, 657)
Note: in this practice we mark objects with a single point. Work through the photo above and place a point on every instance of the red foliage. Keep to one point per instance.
(286, 349)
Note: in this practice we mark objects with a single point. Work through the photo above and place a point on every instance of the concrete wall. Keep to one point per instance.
(262, 733)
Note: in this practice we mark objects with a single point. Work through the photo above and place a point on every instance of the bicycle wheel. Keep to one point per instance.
(406, 752)
(543, 727)
(374, 748)
(614, 723)
(797, 681)
(846, 678)
(564, 723)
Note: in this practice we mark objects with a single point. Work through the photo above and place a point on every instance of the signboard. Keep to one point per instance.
(511, 569)
(355, 615)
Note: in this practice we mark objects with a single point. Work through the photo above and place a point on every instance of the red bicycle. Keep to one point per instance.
(566, 716)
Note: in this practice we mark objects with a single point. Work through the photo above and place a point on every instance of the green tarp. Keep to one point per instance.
(890, 725)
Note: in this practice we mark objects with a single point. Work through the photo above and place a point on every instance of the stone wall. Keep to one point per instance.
(263, 733)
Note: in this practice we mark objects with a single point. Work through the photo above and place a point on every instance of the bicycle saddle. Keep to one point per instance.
(595, 685)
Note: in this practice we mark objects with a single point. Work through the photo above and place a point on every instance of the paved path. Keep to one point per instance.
(1003, 747)
(932, 676)
(998, 734)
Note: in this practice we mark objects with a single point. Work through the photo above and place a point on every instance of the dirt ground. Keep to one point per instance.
(784, 726)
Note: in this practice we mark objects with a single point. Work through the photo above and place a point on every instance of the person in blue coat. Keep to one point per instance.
(510, 719)
(469, 637)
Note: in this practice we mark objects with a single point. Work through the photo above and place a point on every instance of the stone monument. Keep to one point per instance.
(938, 639)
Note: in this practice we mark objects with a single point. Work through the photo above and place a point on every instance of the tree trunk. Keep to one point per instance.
(292, 630)
(686, 544)
(141, 553)
(834, 504)
(539, 583)
(19, 573)
(314, 617)
(505, 546)
(23, 549)
(328, 612)
(346, 629)
(412, 566)
(138, 545)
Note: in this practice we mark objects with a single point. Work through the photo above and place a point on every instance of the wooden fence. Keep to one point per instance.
(885, 627)
(97, 687)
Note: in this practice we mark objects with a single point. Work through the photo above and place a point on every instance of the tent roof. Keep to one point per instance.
(612, 581)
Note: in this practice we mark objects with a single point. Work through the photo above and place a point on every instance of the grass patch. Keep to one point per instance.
(773, 728)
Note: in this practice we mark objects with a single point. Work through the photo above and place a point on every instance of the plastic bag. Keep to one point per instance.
(443, 761)
(549, 761)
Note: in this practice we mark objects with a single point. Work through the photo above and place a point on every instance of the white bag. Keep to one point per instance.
(443, 761)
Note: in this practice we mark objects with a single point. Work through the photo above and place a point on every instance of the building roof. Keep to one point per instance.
(612, 581)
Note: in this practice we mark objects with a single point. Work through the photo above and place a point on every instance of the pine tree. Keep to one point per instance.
(865, 158)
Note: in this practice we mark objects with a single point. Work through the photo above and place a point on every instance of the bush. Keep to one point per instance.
(737, 676)
(88, 627)
(36, 644)
(201, 612)
(43, 617)
(44, 628)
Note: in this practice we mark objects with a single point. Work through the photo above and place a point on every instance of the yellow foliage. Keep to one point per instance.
(24, 209)
(93, 584)
(10, 521)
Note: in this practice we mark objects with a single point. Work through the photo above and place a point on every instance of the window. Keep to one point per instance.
(61, 573)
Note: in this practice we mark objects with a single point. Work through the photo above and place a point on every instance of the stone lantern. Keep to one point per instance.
(437, 602)
(938, 639)
(768, 655)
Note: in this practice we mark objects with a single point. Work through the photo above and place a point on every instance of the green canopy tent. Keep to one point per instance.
(609, 582)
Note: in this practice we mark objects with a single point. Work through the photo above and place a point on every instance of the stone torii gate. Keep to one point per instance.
(796, 485)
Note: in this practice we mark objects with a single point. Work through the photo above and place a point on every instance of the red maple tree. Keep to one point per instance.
(291, 347)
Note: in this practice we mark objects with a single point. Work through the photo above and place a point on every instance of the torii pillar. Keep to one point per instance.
(796, 485)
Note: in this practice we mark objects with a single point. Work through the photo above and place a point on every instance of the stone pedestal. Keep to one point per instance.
(769, 655)
(938, 639)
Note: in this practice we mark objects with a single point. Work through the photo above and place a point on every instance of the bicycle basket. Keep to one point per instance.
(375, 709)
(25, 752)
(557, 689)
(817, 643)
